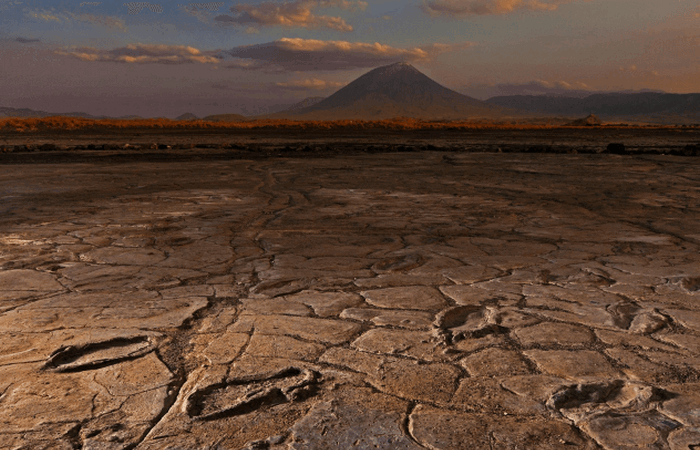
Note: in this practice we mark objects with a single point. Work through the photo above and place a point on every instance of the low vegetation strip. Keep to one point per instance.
(58, 123)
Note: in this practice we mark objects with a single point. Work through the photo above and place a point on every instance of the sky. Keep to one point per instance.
(165, 58)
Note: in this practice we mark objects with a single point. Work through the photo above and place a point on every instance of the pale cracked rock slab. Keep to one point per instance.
(685, 341)
(537, 387)
(622, 339)
(429, 382)
(470, 295)
(153, 315)
(327, 304)
(274, 306)
(638, 368)
(684, 438)
(415, 320)
(689, 319)
(414, 344)
(38, 399)
(400, 280)
(618, 414)
(573, 365)
(418, 297)
(551, 333)
(203, 253)
(262, 345)
(684, 407)
(494, 362)
(308, 328)
(488, 395)
(359, 420)
(28, 280)
(222, 349)
(470, 274)
(449, 430)
(124, 256)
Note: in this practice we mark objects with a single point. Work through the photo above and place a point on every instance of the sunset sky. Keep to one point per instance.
(165, 58)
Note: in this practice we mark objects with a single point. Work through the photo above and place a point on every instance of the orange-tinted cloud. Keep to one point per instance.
(310, 54)
(298, 13)
(143, 53)
(486, 7)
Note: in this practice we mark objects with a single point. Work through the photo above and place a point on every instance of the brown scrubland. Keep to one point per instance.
(401, 123)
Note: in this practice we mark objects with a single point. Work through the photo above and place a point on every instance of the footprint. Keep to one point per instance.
(616, 413)
(463, 322)
(623, 313)
(92, 355)
(691, 284)
(631, 317)
(237, 396)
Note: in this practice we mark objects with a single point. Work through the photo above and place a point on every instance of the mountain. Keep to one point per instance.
(226, 118)
(30, 113)
(309, 101)
(187, 116)
(650, 105)
(396, 90)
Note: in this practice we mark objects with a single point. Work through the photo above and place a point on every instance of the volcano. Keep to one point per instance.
(397, 90)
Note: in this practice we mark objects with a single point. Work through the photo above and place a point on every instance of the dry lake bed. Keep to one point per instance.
(392, 300)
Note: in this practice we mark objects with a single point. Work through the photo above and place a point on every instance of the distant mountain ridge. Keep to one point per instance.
(187, 116)
(29, 113)
(396, 90)
(649, 104)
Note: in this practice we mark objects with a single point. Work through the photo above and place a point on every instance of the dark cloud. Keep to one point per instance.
(487, 7)
(25, 40)
(305, 55)
(144, 53)
(299, 13)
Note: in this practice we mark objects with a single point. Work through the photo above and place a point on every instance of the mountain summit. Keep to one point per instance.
(396, 90)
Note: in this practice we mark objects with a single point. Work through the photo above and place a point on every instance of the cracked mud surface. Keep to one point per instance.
(427, 300)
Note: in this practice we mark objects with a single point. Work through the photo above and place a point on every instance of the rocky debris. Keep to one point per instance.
(351, 302)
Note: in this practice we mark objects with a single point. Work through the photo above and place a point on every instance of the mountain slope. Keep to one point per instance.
(309, 101)
(606, 105)
(397, 90)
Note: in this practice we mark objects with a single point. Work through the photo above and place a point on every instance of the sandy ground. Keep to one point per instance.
(391, 300)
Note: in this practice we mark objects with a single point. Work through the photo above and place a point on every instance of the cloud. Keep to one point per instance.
(47, 16)
(69, 17)
(304, 55)
(310, 84)
(25, 40)
(101, 20)
(5, 4)
(144, 53)
(298, 13)
(487, 7)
